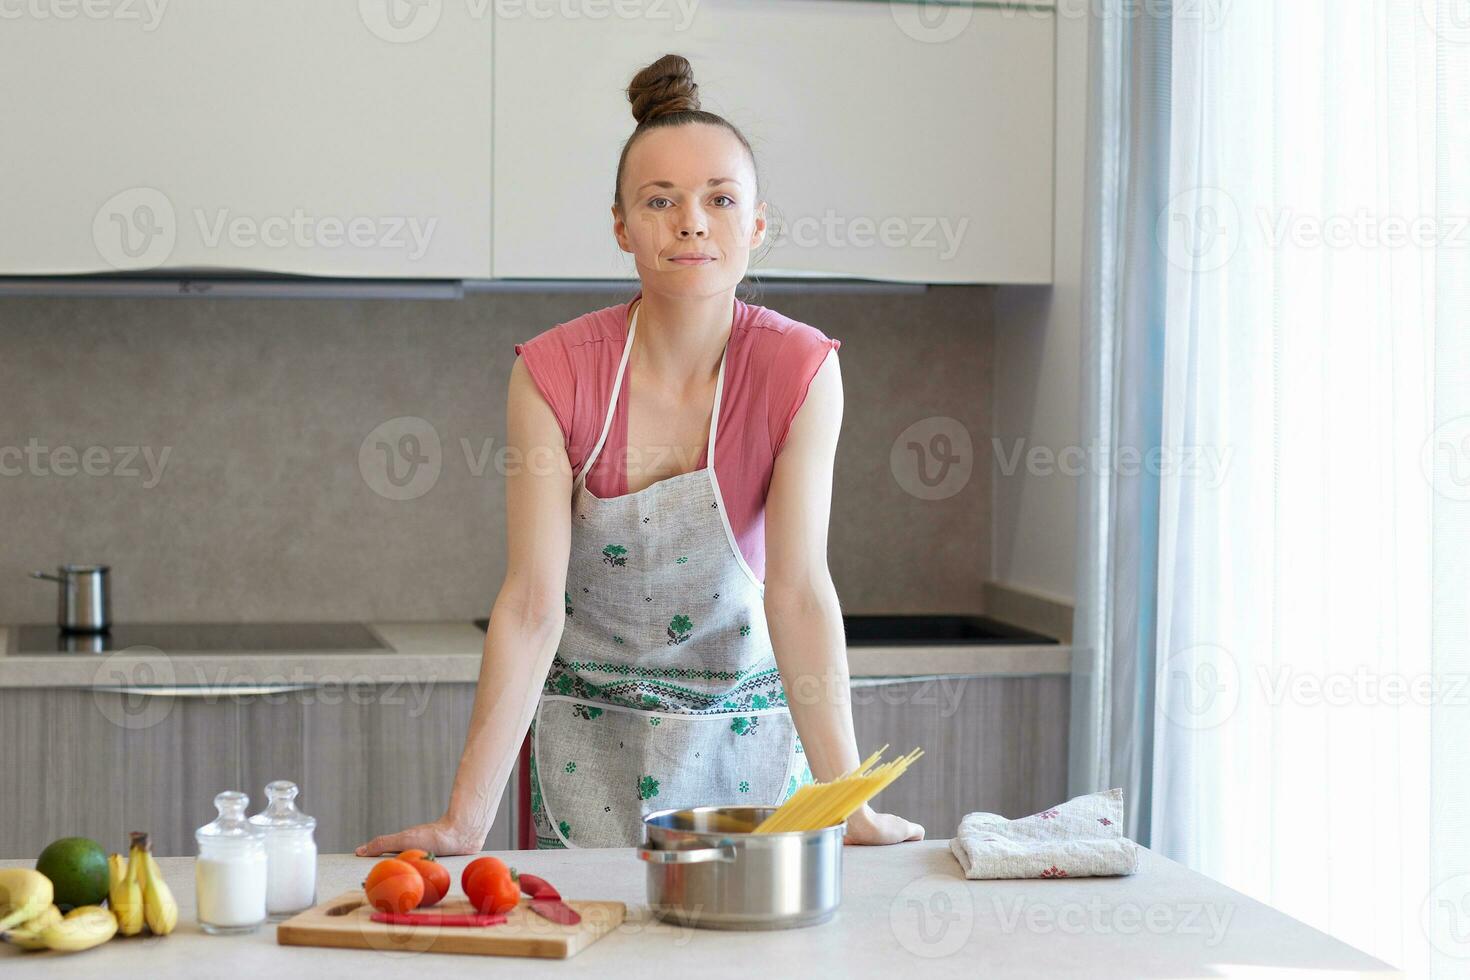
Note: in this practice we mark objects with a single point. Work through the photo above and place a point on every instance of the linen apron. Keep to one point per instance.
(664, 690)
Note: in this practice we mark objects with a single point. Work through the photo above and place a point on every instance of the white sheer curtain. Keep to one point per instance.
(1311, 605)
(1113, 634)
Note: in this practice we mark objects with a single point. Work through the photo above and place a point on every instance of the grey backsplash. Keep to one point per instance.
(262, 511)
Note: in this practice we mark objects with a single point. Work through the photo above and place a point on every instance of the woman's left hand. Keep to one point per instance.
(867, 826)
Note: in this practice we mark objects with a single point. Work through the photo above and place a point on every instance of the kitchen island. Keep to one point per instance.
(906, 912)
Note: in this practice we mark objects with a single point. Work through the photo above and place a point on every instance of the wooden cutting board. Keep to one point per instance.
(346, 923)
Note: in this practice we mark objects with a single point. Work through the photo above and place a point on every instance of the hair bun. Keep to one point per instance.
(663, 87)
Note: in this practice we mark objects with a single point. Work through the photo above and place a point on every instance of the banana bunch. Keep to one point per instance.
(28, 918)
(159, 909)
(124, 894)
(81, 928)
(24, 894)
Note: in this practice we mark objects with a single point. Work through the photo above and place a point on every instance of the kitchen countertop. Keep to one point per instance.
(450, 652)
(906, 911)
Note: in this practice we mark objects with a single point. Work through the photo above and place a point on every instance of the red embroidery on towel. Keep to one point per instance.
(1054, 872)
(1104, 821)
(1048, 814)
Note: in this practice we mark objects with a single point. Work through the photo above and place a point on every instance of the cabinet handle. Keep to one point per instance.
(206, 691)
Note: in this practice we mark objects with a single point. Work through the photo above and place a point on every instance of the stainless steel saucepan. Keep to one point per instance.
(83, 605)
(707, 869)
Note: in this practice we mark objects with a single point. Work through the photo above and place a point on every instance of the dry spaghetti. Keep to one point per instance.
(821, 805)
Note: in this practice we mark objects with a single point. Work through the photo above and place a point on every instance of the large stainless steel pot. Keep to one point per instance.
(706, 869)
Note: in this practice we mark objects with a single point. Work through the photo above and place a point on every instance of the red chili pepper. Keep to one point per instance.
(538, 887)
(438, 919)
(556, 910)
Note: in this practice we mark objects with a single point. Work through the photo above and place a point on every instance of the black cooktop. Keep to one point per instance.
(925, 630)
(35, 640)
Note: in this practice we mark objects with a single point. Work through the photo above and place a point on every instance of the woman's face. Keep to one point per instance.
(689, 189)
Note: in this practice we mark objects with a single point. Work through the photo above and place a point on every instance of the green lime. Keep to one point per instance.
(77, 868)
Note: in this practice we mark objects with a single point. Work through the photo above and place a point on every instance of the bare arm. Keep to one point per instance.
(801, 602)
(525, 627)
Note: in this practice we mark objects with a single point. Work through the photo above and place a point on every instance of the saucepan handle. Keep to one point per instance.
(697, 856)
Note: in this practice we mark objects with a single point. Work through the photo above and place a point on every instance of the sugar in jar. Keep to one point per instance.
(290, 851)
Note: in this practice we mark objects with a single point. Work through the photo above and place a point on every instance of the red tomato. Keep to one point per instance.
(436, 880)
(478, 865)
(394, 886)
(488, 884)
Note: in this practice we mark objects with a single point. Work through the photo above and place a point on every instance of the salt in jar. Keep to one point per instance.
(230, 871)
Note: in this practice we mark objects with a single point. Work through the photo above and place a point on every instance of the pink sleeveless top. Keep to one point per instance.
(768, 368)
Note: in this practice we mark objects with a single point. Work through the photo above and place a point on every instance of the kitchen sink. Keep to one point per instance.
(924, 629)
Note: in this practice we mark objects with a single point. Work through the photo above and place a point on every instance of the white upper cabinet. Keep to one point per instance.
(346, 138)
(896, 141)
(467, 139)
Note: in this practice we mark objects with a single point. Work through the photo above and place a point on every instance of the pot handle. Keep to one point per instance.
(701, 855)
(48, 577)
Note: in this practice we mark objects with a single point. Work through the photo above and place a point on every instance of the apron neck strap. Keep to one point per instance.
(612, 405)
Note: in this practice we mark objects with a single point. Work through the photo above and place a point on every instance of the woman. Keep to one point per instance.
(637, 611)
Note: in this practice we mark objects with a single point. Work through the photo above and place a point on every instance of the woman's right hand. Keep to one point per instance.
(438, 837)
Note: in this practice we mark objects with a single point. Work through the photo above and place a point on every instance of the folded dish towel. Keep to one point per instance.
(1080, 838)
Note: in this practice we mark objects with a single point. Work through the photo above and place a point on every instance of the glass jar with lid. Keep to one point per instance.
(230, 871)
(290, 850)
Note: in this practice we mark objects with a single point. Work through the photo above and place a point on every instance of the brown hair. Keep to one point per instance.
(665, 94)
